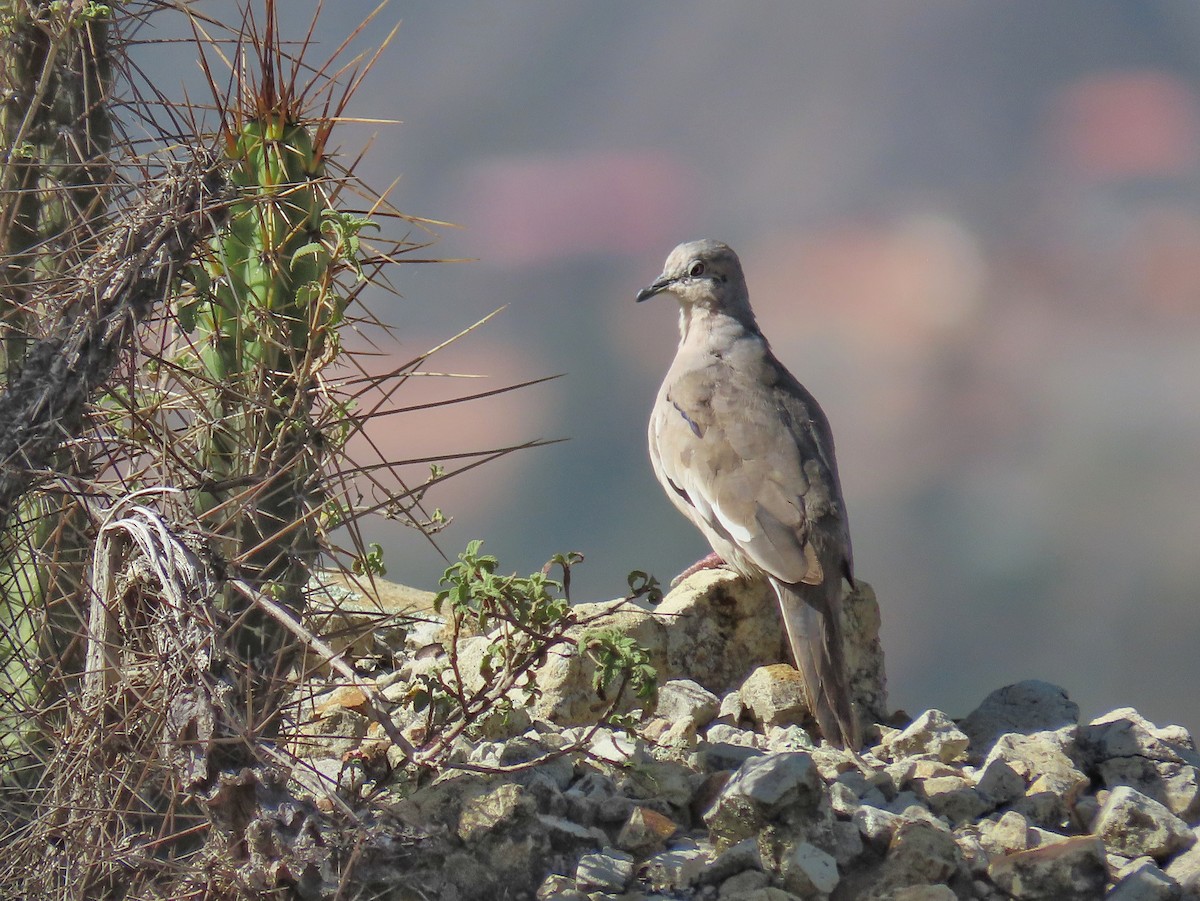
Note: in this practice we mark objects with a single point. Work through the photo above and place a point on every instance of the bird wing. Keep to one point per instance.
(742, 444)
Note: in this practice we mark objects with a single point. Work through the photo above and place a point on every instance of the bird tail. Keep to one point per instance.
(812, 617)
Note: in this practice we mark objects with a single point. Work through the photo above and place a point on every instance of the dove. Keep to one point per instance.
(743, 450)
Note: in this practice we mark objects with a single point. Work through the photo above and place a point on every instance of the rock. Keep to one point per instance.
(677, 869)
(605, 871)
(740, 885)
(919, 854)
(842, 799)
(567, 835)
(789, 738)
(923, 893)
(894, 777)
(320, 777)
(847, 842)
(931, 733)
(1162, 763)
(1134, 825)
(1026, 707)
(999, 783)
(645, 831)
(727, 747)
(808, 871)
(498, 806)
(618, 747)
(558, 888)
(668, 782)
(707, 789)
(1053, 781)
(906, 801)
(722, 733)
(832, 762)
(513, 861)
(770, 893)
(1142, 880)
(722, 627)
(923, 768)
(877, 826)
(790, 820)
(472, 652)
(586, 795)
(330, 730)
(760, 789)
(864, 654)
(730, 711)
(1176, 785)
(468, 877)
(1126, 733)
(502, 723)
(682, 700)
(1071, 870)
(1004, 836)
(774, 696)
(1185, 870)
(970, 846)
(567, 696)
(737, 858)
(352, 613)
(952, 797)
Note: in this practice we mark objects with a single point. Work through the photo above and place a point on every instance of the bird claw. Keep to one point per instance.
(712, 561)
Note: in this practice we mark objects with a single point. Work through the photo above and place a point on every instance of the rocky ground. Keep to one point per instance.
(718, 792)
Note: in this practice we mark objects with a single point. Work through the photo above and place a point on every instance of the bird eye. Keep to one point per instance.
(697, 270)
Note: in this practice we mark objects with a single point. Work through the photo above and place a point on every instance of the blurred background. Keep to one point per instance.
(972, 230)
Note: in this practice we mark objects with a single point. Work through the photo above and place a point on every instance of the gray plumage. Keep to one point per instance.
(745, 452)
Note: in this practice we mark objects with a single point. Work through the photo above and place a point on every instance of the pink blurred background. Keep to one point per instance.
(973, 230)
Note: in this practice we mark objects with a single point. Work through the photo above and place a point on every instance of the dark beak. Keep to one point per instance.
(657, 288)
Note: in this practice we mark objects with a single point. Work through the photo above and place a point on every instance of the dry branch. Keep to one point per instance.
(97, 310)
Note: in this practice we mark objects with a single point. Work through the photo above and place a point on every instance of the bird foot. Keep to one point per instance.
(712, 561)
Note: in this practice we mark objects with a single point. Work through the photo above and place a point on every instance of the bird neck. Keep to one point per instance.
(699, 322)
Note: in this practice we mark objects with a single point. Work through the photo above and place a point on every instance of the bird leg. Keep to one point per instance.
(712, 561)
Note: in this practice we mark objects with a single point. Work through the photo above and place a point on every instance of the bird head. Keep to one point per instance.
(705, 275)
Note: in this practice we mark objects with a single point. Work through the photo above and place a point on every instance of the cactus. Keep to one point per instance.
(55, 138)
(56, 133)
(265, 317)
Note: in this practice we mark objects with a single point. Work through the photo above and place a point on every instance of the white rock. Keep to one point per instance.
(682, 700)
(1031, 706)
(921, 853)
(730, 711)
(808, 871)
(923, 893)
(1134, 825)
(605, 871)
(1071, 870)
(1142, 880)
(930, 733)
(675, 869)
(1126, 733)
(877, 826)
(774, 695)
(999, 782)
(618, 748)
(789, 738)
(761, 788)
(738, 886)
(1185, 869)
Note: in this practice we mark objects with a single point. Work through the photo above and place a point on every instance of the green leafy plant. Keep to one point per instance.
(524, 618)
(619, 659)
